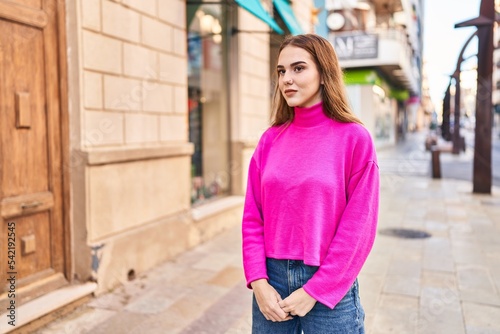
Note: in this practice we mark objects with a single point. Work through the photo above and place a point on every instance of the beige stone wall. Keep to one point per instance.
(253, 80)
(129, 136)
(134, 73)
(251, 107)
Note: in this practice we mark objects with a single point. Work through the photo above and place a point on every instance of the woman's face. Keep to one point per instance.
(298, 77)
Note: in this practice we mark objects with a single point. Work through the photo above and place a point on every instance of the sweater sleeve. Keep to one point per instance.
(353, 239)
(254, 258)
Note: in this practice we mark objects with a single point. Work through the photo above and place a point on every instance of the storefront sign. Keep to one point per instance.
(358, 46)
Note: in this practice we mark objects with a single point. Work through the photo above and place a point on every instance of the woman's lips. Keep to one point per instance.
(290, 91)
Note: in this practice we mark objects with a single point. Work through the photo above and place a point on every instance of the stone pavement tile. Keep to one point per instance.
(395, 314)
(228, 277)
(437, 255)
(486, 234)
(495, 272)
(111, 301)
(242, 326)
(409, 250)
(467, 252)
(377, 263)
(168, 290)
(438, 279)
(478, 215)
(415, 213)
(480, 296)
(171, 269)
(124, 294)
(437, 227)
(214, 261)
(405, 267)
(197, 301)
(370, 287)
(149, 303)
(224, 314)
(435, 212)
(437, 245)
(192, 277)
(462, 232)
(369, 319)
(440, 312)
(438, 262)
(481, 319)
(413, 224)
(390, 217)
(180, 314)
(384, 245)
(79, 322)
(400, 284)
(190, 257)
(456, 212)
(122, 322)
(476, 285)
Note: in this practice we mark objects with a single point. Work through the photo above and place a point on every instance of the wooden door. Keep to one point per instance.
(31, 188)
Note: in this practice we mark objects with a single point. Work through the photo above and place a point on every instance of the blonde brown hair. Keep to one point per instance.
(333, 93)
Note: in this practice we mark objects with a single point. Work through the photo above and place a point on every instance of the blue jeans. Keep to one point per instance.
(287, 276)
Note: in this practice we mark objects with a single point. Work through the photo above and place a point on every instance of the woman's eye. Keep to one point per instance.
(281, 72)
(298, 68)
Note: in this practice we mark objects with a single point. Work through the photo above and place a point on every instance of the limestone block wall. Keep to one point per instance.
(130, 196)
(251, 107)
(134, 72)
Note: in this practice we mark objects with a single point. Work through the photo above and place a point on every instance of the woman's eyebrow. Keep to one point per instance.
(293, 64)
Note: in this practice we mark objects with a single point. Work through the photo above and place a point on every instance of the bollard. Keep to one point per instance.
(462, 143)
(435, 162)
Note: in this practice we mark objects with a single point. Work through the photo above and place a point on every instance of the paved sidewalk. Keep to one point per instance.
(446, 283)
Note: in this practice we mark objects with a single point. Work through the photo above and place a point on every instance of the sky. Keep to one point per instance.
(442, 42)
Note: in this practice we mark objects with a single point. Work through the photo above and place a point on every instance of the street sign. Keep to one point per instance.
(355, 46)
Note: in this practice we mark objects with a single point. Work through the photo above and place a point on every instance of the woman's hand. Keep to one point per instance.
(298, 303)
(268, 298)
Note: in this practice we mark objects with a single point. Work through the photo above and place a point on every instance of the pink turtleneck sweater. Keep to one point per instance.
(312, 195)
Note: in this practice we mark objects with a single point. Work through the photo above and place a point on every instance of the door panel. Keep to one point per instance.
(22, 68)
(31, 146)
(32, 244)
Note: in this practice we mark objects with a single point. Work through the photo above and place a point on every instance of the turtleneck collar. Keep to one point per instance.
(310, 116)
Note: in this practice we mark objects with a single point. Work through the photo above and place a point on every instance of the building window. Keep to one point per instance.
(208, 112)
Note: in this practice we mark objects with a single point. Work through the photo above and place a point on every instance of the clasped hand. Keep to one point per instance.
(276, 309)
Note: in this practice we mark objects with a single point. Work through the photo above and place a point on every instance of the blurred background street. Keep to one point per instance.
(126, 132)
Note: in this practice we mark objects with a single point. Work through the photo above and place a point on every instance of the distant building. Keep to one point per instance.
(379, 44)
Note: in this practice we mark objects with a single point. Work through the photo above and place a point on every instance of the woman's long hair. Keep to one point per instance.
(333, 93)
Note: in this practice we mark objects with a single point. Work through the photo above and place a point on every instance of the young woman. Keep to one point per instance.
(312, 199)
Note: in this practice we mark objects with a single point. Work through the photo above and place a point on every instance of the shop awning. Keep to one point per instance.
(286, 12)
(255, 8)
